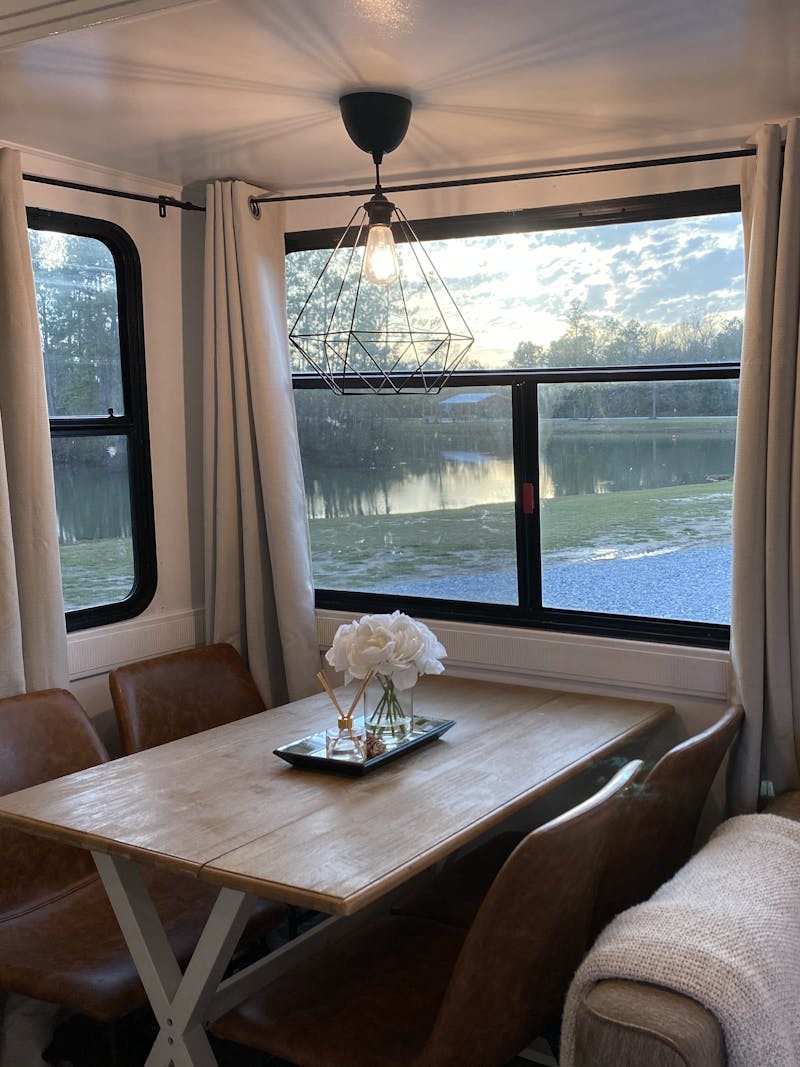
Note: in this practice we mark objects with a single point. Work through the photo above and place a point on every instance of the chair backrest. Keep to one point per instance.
(660, 824)
(528, 937)
(167, 697)
(43, 735)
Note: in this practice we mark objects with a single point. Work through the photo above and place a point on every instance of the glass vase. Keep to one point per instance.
(388, 711)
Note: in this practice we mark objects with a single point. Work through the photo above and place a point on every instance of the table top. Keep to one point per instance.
(222, 806)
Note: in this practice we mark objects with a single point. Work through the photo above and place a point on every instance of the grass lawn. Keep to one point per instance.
(473, 540)
(481, 539)
(96, 572)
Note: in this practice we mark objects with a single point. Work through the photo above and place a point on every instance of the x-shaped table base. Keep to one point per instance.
(185, 1003)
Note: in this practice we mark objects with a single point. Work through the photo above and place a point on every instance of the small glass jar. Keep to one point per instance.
(346, 739)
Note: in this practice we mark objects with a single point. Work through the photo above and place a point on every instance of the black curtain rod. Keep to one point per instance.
(600, 168)
(163, 201)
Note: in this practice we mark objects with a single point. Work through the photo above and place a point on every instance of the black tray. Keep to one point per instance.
(310, 751)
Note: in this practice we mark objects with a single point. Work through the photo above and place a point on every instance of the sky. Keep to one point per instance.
(518, 287)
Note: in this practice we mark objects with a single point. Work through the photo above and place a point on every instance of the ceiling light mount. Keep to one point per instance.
(375, 122)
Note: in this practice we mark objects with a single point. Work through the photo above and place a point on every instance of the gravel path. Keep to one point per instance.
(691, 583)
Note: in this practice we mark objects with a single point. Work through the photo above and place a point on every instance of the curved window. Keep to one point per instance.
(89, 296)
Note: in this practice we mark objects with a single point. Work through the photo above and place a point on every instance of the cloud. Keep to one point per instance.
(518, 287)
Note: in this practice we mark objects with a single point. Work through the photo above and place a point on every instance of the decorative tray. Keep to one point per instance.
(310, 751)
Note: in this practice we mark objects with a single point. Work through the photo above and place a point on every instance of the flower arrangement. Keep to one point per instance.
(395, 648)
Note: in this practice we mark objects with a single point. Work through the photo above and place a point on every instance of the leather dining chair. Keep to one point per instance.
(59, 938)
(406, 992)
(658, 834)
(654, 840)
(163, 698)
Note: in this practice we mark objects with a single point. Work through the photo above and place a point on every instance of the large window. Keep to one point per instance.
(88, 290)
(577, 473)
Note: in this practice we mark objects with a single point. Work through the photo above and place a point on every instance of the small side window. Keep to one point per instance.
(88, 290)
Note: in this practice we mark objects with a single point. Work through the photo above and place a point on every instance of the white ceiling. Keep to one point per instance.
(249, 88)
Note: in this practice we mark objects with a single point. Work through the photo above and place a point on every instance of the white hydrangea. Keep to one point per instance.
(395, 646)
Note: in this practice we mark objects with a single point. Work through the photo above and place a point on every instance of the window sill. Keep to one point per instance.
(572, 661)
(495, 653)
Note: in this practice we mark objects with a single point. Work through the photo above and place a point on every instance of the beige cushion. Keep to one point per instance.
(630, 1024)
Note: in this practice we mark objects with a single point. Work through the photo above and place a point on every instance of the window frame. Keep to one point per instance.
(133, 424)
(530, 613)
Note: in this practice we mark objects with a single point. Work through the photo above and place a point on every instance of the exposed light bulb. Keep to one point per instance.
(380, 257)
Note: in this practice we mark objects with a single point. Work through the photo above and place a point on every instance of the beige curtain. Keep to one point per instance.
(765, 622)
(258, 584)
(33, 640)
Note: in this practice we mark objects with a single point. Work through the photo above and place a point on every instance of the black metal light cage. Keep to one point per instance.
(351, 357)
(404, 332)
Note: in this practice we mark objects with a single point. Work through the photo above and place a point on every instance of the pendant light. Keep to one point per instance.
(379, 318)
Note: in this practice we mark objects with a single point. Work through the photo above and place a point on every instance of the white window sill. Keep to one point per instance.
(496, 653)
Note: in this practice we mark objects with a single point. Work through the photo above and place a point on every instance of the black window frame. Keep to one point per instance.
(530, 613)
(133, 424)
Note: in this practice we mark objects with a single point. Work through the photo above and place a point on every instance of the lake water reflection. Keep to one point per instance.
(421, 479)
(458, 480)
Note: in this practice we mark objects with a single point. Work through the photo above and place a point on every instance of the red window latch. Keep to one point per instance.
(528, 498)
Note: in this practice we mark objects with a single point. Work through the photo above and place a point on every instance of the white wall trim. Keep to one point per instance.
(495, 653)
(93, 652)
(571, 661)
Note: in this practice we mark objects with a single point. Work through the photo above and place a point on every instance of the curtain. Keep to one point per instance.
(258, 585)
(765, 614)
(33, 640)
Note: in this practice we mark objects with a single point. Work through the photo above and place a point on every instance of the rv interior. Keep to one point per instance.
(541, 136)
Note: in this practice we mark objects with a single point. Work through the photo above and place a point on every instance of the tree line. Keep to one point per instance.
(358, 426)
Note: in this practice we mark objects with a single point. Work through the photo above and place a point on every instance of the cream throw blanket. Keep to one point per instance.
(726, 931)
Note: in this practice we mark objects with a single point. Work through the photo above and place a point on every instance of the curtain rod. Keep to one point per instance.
(163, 201)
(599, 168)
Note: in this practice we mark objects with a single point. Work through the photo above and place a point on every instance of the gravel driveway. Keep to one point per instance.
(691, 583)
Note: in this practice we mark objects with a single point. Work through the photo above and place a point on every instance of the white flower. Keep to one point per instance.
(394, 646)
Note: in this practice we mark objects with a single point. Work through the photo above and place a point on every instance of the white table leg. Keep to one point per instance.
(179, 1002)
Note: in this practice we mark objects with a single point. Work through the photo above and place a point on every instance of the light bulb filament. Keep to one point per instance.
(380, 257)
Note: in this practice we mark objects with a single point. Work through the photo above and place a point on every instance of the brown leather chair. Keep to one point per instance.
(408, 992)
(654, 840)
(161, 699)
(658, 833)
(59, 938)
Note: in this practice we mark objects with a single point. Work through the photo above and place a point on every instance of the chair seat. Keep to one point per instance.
(455, 895)
(318, 1013)
(70, 950)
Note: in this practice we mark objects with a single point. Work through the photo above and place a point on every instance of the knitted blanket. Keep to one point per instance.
(726, 931)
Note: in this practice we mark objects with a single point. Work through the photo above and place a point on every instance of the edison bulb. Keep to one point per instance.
(380, 257)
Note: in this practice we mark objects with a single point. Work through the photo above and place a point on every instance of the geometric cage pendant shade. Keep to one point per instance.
(380, 319)
(355, 334)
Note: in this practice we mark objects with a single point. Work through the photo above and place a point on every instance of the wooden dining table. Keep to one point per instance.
(221, 806)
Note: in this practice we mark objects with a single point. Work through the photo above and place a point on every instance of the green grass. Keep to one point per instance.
(665, 426)
(481, 539)
(474, 540)
(676, 513)
(96, 572)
